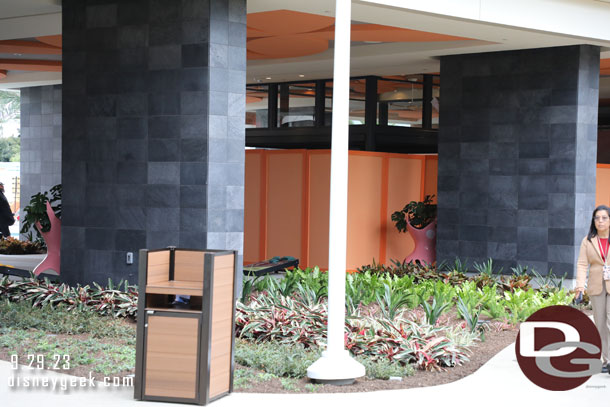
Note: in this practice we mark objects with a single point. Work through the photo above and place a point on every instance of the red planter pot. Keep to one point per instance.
(425, 243)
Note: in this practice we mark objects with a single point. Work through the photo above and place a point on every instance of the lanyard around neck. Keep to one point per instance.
(603, 252)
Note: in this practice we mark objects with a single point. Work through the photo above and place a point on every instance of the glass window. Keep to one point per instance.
(357, 90)
(400, 99)
(296, 104)
(256, 106)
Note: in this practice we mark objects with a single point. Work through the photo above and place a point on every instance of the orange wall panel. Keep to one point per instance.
(284, 202)
(431, 176)
(364, 203)
(319, 206)
(404, 186)
(252, 206)
(602, 184)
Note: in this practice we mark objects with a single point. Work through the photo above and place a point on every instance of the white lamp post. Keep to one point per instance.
(335, 365)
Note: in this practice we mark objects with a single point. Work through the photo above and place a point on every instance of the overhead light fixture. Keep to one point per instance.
(268, 78)
(301, 76)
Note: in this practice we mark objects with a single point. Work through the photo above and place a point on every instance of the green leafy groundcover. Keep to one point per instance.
(394, 314)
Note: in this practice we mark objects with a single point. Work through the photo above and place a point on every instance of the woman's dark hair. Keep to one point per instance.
(593, 229)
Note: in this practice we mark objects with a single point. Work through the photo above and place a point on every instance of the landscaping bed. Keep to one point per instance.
(418, 325)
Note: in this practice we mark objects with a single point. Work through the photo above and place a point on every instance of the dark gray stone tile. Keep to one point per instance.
(533, 150)
(163, 34)
(133, 12)
(195, 103)
(502, 234)
(194, 240)
(164, 173)
(132, 128)
(195, 9)
(195, 126)
(472, 232)
(195, 55)
(193, 173)
(194, 79)
(100, 239)
(99, 216)
(163, 196)
(132, 104)
(162, 219)
(164, 57)
(193, 220)
(133, 59)
(132, 172)
(130, 217)
(533, 218)
(194, 149)
(164, 127)
(502, 251)
(533, 166)
(162, 239)
(103, 15)
(163, 150)
(132, 36)
(164, 11)
(532, 244)
(472, 249)
(195, 32)
(164, 103)
(193, 196)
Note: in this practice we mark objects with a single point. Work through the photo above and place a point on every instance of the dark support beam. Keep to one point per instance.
(272, 106)
(383, 113)
(370, 113)
(320, 109)
(427, 103)
(284, 102)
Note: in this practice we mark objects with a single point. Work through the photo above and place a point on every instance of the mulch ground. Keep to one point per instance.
(494, 343)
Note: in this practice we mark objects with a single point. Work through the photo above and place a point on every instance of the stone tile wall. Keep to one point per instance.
(154, 107)
(40, 140)
(517, 156)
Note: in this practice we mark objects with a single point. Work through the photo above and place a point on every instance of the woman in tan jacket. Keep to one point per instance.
(593, 258)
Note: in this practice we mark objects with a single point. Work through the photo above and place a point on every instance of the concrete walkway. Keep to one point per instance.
(498, 383)
(22, 261)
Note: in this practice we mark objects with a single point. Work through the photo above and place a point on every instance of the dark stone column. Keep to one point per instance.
(517, 148)
(40, 140)
(153, 137)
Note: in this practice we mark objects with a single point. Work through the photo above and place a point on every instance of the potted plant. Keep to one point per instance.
(419, 219)
(43, 218)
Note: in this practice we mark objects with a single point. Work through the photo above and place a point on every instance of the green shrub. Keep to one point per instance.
(384, 368)
(293, 360)
(61, 320)
(278, 359)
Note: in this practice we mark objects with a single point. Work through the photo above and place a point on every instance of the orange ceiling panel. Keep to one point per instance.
(2, 74)
(27, 47)
(384, 33)
(30, 65)
(287, 46)
(54, 40)
(252, 99)
(282, 22)
(254, 33)
(289, 34)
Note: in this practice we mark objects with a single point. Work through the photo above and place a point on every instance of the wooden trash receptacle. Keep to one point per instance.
(184, 353)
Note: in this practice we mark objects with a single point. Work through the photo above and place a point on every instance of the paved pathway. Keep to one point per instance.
(497, 383)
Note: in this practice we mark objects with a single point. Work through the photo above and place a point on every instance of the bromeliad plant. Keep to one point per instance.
(117, 300)
(286, 320)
